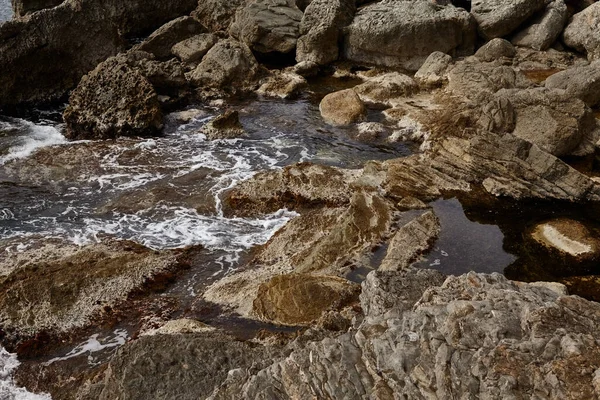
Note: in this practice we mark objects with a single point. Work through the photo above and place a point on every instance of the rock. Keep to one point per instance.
(299, 299)
(178, 326)
(60, 287)
(217, 15)
(229, 66)
(495, 49)
(382, 90)
(555, 122)
(130, 108)
(268, 26)
(371, 131)
(284, 85)
(192, 50)
(164, 38)
(582, 32)
(167, 78)
(568, 238)
(321, 30)
(403, 34)
(297, 186)
(433, 71)
(45, 54)
(580, 82)
(498, 18)
(545, 29)
(342, 108)
(587, 286)
(305, 69)
(410, 241)
(224, 126)
(23, 7)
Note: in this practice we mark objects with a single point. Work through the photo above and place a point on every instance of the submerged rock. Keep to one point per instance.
(224, 126)
(568, 238)
(342, 108)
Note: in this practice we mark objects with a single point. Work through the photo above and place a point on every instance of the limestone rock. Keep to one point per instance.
(164, 38)
(495, 49)
(224, 126)
(433, 71)
(342, 108)
(299, 299)
(410, 241)
(582, 32)
(268, 26)
(545, 29)
(130, 107)
(193, 49)
(383, 89)
(580, 82)
(217, 15)
(284, 85)
(568, 238)
(321, 29)
(403, 34)
(498, 18)
(23, 7)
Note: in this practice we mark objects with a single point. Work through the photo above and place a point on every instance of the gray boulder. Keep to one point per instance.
(582, 33)
(495, 49)
(404, 33)
(433, 71)
(321, 29)
(581, 82)
(193, 49)
(164, 38)
(268, 26)
(498, 18)
(545, 29)
(217, 15)
(23, 7)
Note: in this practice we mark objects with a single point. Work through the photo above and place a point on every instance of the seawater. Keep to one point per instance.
(5, 10)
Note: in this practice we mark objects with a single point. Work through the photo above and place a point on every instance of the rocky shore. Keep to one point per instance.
(499, 102)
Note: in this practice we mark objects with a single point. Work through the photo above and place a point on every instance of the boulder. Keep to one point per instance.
(580, 82)
(164, 38)
(342, 108)
(59, 287)
(283, 85)
(217, 15)
(268, 26)
(113, 100)
(321, 29)
(495, 49)
(567, 238)
(546, 27)
(228, 66)
(23, 7)
(434, 69)
(382, 90)
(300, 299)
(45, 54)
(498, 18)
(403, 34)
(224, 126)
(582, 33)
(192, 50)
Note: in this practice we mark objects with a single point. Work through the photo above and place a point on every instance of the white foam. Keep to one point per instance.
(8, 389)
(39, 136)
(94, 345)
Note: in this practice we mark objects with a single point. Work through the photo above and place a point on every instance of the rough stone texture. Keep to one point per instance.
(580, 82)
(224, 126)
(22, 7)
(217, 15)
(193, 49)
(410, 241)
(587, 286)
(297, 186)
(434, 69)
(553, 121)
(284, 85)
(495, 49)
(568, 238)
(498, 18)
(228, 66)
(404, 33)
(382, 90)
(59, 287)
(342, 108)
(45, 54)
(164, 38)
(321, 29)
(113, 100)
(268, 26)
(299, 299)
(545, 29)
(582, 32)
